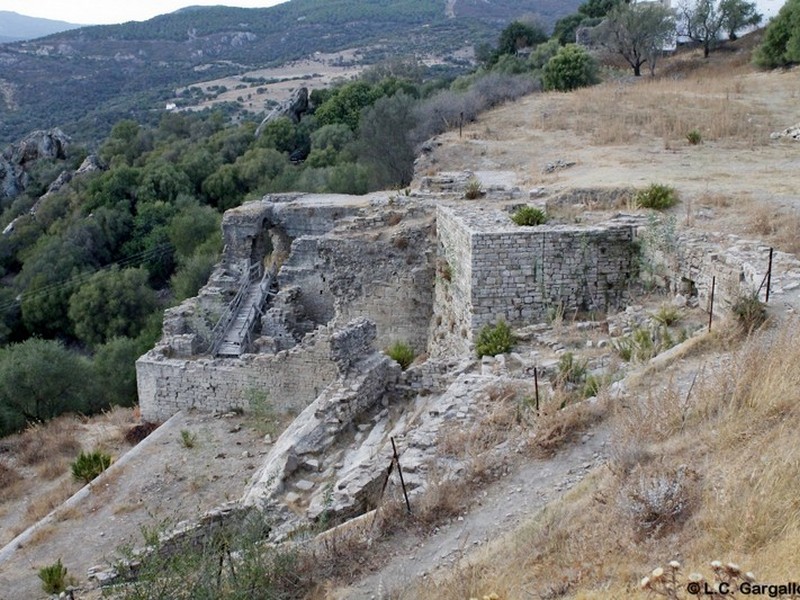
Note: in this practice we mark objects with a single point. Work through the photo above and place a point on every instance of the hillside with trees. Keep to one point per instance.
(87, 79)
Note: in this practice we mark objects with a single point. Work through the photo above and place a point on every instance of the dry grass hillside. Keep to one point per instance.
(704, 459)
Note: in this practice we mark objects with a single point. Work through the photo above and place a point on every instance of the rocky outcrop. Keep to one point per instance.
(792, 133)
(38, 145)
(14, 162)
(294, 108)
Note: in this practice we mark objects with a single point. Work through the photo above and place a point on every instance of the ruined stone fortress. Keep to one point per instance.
(312, 288)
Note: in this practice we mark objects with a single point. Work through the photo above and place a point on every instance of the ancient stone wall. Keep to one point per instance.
(493, 269)
(388, 280)
(686, 262)
(287, 381)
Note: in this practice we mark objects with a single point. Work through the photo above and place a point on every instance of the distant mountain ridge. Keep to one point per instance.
(15, 27)
(86, 79)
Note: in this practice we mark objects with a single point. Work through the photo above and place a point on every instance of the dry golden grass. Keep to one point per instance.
(39, 443)
(12, 483)
(734, 440)
(776, 225)
(711, 100)
(54, 468)
(43, 505)
(42, 534)
(559, 422)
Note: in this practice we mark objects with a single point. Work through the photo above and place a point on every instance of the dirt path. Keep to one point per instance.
(501, 507)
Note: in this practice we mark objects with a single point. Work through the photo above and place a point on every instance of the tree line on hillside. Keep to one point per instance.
(88, 270)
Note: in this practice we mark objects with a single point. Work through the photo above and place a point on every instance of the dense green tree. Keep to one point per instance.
(111, 303)
(518, 35)
(638, 32)
(163, 181)
(49, 277)
(384, 140)
(781, 44)
(192, 275)
(198, 162)
(10, 316)
(596, 9)
(349, 178)
(543, 53)
(258, 166)
(113, 186)
(127, 142)
(39, 380)
(149, 245)
(225, 187)
(230, 143)
(345, 105)
(566, 28)
(279, 134)
(192, 228)
(335, 136)
(114, 370)
(571, 68)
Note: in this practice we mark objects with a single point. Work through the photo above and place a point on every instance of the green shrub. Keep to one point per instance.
(666, 315)
(89, 465)
(494, 339)
(54, 578)
(657, 197)
(401, 353)
(694, 137)
(750, 312)
(474, 189)
(571, 370)
(573, 67)
(529, 216)
(781, 43)
(594, 384)
(188, 439)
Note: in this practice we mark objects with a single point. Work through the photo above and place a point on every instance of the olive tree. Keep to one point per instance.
(704, 21)
(39, 380)
(638, 32)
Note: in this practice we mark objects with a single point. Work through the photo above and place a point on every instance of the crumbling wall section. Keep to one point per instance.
(450, 332)
(688, 262)
(388, 279)
(286, 381)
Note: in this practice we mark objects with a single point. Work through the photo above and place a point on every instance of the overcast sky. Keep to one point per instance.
(96, 12)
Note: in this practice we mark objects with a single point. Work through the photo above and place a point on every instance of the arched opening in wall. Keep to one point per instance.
(280, 245)
(262, 245)
(688, 288)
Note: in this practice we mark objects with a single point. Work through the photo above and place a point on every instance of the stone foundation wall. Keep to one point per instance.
(686, 262)
(525, 276)
(287, 381)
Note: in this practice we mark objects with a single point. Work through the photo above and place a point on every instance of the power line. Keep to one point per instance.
(84, 276)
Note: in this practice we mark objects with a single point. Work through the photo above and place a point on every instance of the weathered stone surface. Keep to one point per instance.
(294, 108)
(492, 269)
(792, 133)
(38, 145)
